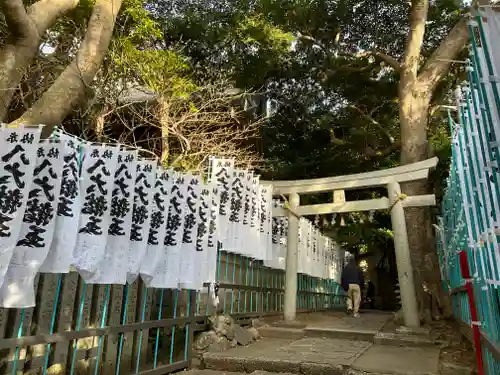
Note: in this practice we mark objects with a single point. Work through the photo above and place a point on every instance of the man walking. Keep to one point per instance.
(353, 282)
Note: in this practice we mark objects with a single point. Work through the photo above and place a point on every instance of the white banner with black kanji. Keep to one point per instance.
(301, 249)
(18, 149)
(265, 222)
(60, 256)
(213, 238)
(221, 174)
(253, 233)
(243, 246)
(203, 218)
(169, 272)
(98, 171)
(113, 267)
(141, 216)
(190, 258)
(115, 216)
(152, 266)
(35, 237)
(283, 242)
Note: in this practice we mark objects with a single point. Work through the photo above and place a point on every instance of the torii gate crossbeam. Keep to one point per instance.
(391, 179)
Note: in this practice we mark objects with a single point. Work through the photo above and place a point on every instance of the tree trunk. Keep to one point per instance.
(70, 87)
(433, 302)
(27, 29)
(415, 94)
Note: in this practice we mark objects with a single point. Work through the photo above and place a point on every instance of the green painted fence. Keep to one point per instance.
(83, 329)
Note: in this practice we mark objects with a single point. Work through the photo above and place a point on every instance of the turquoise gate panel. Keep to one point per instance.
(470, 209)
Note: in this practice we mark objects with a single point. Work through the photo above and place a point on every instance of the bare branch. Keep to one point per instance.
(389, 60)
(186, 130)
(374, 122)
(20, 25)
(371, 153)
(439, 63)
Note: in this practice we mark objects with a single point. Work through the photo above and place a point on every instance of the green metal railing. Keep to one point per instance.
(78, 328)
(470, 209)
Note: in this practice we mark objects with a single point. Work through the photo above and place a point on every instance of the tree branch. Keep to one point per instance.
(438, 63)
(16, 55)
(70, 86)
(389, 60)
(418, 17)
(371, 153)
(374, 122)
(19, 23)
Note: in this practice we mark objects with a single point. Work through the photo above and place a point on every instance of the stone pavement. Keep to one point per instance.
(330, 344)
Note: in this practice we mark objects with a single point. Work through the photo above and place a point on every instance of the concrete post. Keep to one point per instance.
(291, 260)
(403, 260)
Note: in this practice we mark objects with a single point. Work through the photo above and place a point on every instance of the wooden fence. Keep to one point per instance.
(84, 329)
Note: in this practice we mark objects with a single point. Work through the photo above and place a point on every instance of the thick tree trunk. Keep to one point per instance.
(27, 29)
(70, 87)
(433, 302)
(414, 147)
(415, 93)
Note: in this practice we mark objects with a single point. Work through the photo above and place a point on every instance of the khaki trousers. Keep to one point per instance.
(353, 297)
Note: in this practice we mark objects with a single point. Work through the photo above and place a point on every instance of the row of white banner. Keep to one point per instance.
(114, 216)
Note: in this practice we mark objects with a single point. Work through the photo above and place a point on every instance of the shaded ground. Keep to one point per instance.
(457, 353)
(308, 355)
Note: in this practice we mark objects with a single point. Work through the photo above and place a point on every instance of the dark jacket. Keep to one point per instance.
(352, 274)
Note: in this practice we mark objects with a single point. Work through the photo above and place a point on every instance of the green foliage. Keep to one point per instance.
(335, 111)
(159, 70)
(254, 30)
(135, 53)
(137, 20)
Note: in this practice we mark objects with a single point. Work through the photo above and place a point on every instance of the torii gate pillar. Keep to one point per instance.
(291, 259)
(403, 260)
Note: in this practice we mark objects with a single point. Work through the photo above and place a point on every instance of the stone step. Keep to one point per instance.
(282, 333)
(216, 372)
(294, 324)
(398, 339)
(210, 372)
(317, 356)
(264, 364)
(339, 333)
(396, 360)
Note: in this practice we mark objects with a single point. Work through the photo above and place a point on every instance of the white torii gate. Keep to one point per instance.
(391, 179)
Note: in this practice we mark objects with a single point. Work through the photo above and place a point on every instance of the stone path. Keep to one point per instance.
(331, 344)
